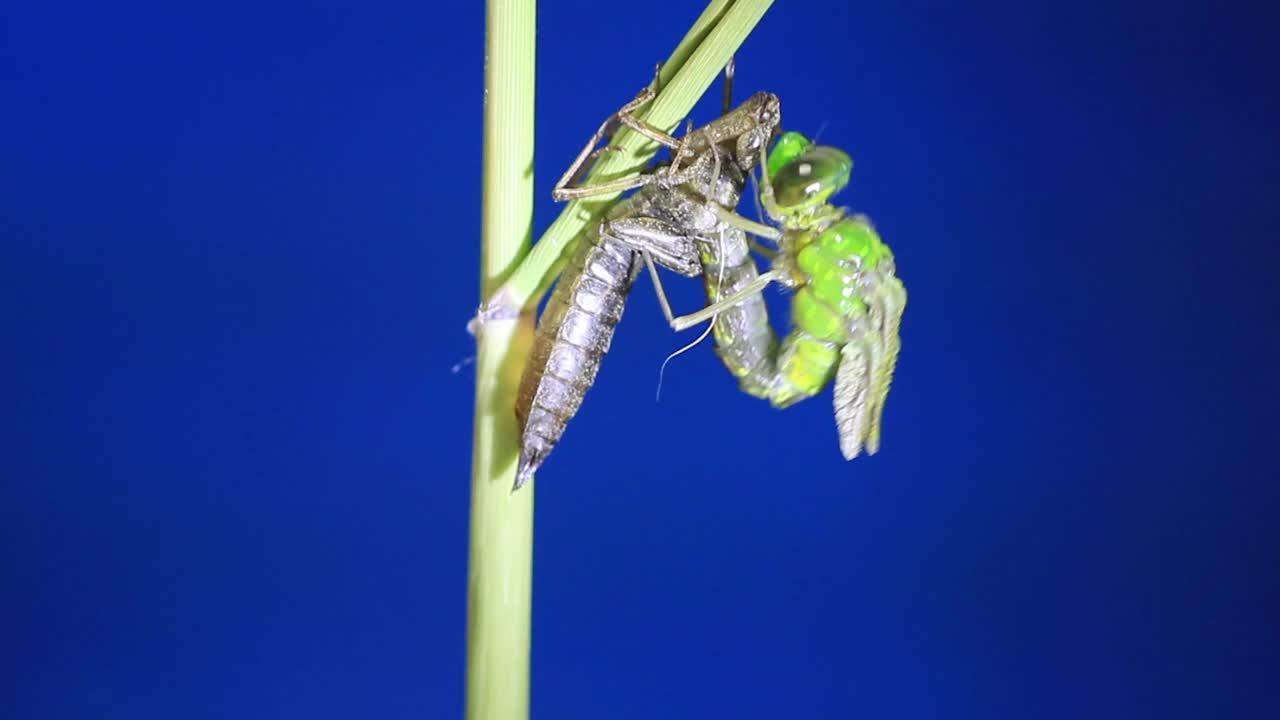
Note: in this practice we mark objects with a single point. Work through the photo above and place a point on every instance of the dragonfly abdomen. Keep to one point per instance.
(585, 309)
(805, 366)
(826, 311)
(745, 342)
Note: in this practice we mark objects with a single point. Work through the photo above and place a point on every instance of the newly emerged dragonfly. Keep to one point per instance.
(848, 301)
(669, 221)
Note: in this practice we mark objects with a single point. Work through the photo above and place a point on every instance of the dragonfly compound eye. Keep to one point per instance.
(811, 177)
(787, 148)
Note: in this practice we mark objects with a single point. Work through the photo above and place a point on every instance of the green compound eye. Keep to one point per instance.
(811, 177)
(788, 148)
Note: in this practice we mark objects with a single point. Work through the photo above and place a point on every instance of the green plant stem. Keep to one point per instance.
(686, 75)
(501, 560)
(500, 571)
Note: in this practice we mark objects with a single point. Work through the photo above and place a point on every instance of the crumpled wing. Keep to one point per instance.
(853, 388)
(887, 318)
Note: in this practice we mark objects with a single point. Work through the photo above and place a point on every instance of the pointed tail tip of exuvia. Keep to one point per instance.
(524, 473)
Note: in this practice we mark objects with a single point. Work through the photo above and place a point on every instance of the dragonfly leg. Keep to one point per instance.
(684, 150)
(768, 252)
(673, 248)
(755, 202)
(768, 232)
(588, 154)
(560, 194)
(656, 240)
(684, 322)
(658, 289)
(652, 132)
(715, 176)
(583, 167)
(564, 189)
(726, 99)
(765, 196)
(692, 173)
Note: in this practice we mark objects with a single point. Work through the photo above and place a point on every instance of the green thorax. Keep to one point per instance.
(830, 266)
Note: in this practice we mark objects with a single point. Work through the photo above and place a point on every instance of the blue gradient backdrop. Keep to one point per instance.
(240, 245)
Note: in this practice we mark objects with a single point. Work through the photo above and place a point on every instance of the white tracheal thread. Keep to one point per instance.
(711, 193)
(657, 396)
(755, 197)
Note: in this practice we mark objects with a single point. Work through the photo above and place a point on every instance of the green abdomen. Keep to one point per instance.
(806, 361)
(824, 309)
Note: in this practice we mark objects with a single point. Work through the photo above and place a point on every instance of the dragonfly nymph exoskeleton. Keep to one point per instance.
(672, 220)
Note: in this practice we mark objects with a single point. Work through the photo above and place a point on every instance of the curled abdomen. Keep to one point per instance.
(745, 342)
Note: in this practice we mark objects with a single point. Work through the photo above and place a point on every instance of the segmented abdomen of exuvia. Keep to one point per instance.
(745, 342)
(573, 335)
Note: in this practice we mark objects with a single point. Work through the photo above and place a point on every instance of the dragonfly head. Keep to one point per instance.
(804, 175)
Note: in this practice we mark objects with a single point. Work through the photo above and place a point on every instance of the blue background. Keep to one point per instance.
(240, 244)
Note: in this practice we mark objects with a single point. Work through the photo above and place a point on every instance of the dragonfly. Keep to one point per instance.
(847, 302)
(667, 222)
